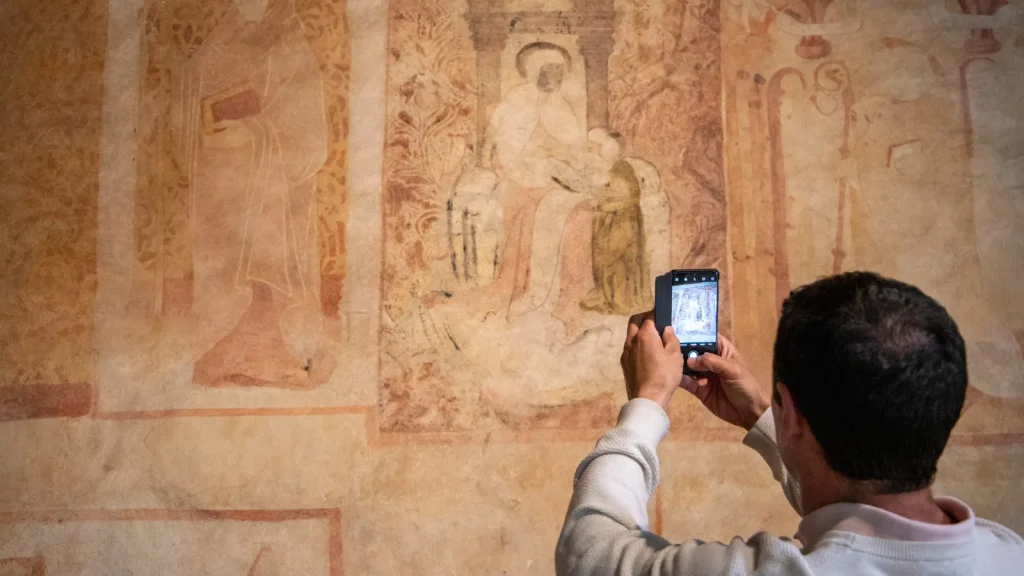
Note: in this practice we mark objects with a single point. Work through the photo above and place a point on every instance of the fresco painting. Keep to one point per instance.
(531, 196)
(269, 264)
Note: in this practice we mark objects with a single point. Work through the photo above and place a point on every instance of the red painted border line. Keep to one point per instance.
(222, 412)
(378, 438)
(335, 544)
(31, 401)
(658, 524)
(27, 565)
(993, 439)
(166, 515)
(547, 436)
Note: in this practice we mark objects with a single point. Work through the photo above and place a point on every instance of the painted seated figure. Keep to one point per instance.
(556, 217)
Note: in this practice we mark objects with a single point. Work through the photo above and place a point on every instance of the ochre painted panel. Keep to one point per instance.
(51, 94)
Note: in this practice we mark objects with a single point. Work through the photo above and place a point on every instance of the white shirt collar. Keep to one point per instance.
(878, 523)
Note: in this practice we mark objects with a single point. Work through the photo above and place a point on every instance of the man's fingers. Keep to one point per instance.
(668, 336)
(633, 327)
(700, 363)
(649, 315)
(635, 321)
(724, 345)
(691, 384)
(631, 331)
(726, 349)
(709, 362)
(647, 329)
(648, 336)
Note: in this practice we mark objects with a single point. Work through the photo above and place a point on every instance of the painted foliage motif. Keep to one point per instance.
(51, 90)
(538, 175)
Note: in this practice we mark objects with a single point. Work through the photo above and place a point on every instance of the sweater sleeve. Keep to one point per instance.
(762, 439)
(606, 528)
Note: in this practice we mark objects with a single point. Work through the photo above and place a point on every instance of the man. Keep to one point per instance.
(869, 379)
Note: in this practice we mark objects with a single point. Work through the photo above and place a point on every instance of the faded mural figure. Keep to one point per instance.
(253, 136)
(549, 174)
(534, 138)
(998, 209)
(525, 211)
(897, 148)
(621, 274)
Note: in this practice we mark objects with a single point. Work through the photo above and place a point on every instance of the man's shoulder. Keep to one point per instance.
(997, 535)
(772, 544)
(999, 549)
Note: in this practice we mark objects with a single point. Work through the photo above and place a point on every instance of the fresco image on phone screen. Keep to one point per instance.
(695, 312)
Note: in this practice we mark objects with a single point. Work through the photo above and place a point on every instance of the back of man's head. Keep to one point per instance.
(879, 371)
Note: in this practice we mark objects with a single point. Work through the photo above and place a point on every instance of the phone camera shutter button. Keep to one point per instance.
(692, 354)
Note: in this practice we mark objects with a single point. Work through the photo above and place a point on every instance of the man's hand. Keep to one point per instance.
(731, 391)
(651, 362)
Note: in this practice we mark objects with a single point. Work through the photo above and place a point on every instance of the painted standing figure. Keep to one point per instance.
(254, 135)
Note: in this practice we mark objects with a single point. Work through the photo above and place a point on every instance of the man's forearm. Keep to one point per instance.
(605, 530)
(607, 516)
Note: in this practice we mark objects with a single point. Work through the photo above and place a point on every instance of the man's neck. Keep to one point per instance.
(918, 505)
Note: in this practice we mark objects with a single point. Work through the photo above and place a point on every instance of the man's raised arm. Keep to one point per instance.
(605, 530)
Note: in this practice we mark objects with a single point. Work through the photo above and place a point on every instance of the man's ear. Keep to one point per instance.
(790, 421)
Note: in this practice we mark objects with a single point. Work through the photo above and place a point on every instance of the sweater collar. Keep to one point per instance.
(878, 523)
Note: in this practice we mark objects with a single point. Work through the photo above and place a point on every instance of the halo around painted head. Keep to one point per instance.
(533, 56)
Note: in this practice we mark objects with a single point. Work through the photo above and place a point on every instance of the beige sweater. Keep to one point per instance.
(606, 528)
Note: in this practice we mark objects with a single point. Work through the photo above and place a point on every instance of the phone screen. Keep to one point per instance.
(695, 310)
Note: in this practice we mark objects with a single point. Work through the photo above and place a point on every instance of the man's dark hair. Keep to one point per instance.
(879, 371)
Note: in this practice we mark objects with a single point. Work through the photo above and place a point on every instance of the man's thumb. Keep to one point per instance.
(709, 362)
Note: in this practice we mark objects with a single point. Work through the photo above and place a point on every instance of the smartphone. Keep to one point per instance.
(688, 301)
